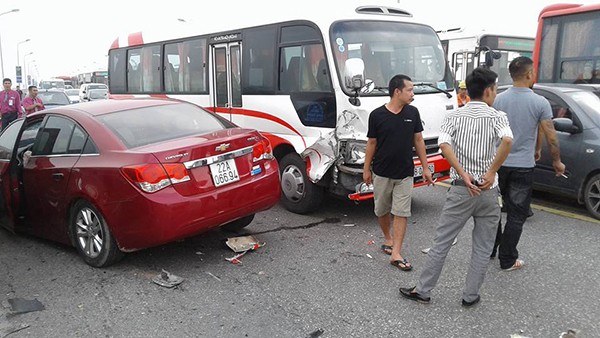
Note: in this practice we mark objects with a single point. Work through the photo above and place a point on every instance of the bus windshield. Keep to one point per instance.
(390, 48)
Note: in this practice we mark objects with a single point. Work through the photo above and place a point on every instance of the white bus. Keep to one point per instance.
(307, 80)
(51, 83)
(468, 50)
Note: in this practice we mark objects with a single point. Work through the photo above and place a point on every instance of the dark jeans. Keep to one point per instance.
(515, 186)
(7, 118)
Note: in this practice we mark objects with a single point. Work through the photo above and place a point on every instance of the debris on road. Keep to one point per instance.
(317, 333)
(371, 242)
(349, 225)
(213, 276)
(167, 279)
(369, 256)
(20, 305)
(571, 333)
(8, 329)
(242, 245)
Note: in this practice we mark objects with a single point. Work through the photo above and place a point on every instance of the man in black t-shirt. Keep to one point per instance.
(394, 129)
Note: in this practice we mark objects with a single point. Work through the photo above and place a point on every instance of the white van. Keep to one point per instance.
(85, 88)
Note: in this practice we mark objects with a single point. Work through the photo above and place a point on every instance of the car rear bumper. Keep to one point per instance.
(154, 219)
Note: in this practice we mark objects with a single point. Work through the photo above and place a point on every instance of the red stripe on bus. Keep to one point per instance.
(161, 96)
(115, 44)
(135, 39)
(258, 114)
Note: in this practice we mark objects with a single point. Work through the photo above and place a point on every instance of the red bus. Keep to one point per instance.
(567, 47)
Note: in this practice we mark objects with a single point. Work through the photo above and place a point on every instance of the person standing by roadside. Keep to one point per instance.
(32, 102)
(468, 139)
(19, 91)
(463, 96)
(394, 129)
(10, 103)
(528, 114)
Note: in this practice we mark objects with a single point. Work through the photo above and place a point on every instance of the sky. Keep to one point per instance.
(68, 37)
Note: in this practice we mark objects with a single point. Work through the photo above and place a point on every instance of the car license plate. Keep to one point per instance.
(224, 172)
(419, 169)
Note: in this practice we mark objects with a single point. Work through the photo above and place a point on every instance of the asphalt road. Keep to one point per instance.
(318, 275)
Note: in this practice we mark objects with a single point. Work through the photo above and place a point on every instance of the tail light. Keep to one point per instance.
(153, 177)
(262, 150)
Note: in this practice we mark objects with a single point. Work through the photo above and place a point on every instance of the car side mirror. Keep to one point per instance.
(354, 73)
(565, 125)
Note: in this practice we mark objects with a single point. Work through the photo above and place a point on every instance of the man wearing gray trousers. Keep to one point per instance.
(468, 140)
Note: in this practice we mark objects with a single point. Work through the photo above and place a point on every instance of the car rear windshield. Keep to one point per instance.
(143, 126)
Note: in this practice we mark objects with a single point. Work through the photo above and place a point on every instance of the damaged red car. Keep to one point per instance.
(116, 176)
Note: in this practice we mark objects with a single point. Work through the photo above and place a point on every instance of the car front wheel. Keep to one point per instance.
(92, 237)
(591, 196)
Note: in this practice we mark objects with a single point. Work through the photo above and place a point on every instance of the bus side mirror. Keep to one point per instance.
(490, 56)
(354, 73)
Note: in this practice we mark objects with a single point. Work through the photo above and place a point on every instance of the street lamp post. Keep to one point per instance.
(19, 60)
(24, 61)
(1, 58)
(29, 72)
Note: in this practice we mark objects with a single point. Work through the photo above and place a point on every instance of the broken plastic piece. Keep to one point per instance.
(317, 333)
(20, 305)
(243, 243)
(235, 259)
(167, 279)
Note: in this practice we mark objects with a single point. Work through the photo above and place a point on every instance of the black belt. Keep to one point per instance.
(460, 183)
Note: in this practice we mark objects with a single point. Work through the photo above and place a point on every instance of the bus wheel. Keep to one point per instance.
(298, 193)
(591, 196)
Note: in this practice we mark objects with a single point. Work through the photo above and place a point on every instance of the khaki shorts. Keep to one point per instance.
(392, 195)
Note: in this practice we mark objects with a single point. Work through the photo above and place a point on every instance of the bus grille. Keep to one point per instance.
(431, 147)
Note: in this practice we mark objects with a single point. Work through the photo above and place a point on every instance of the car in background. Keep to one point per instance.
(73, 95)
(84, 90)
(97, 94)
(116, 176)
(53, 97)
(576, 115)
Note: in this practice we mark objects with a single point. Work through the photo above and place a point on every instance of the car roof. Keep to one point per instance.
(561, 87)
(101, 107)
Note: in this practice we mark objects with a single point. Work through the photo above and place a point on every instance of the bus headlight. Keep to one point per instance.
(353, 151)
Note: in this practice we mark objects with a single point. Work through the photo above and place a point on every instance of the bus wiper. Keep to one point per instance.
(428, 84)
(382, 89)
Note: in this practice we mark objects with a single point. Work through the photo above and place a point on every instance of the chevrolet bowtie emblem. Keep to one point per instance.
(222, 147)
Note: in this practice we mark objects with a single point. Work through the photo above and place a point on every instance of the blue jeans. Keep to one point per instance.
(515, 186)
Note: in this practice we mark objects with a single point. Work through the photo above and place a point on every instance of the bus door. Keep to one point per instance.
(226, 80)
(463, 64)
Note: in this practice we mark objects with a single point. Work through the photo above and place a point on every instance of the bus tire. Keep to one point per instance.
(298, 193)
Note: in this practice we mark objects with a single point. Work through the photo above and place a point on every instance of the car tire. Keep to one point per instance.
(92, 237)
(298, 193)
(238, 224)
(591, 196)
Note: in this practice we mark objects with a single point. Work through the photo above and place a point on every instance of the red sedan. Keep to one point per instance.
(115, 176)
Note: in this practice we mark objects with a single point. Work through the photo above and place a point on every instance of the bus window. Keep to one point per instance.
(259, 63)
(236, 94)
(185, 67)
(299, 64)
(134, 74)
(118, 70)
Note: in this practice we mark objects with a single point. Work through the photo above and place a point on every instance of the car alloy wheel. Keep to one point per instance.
(592, 196)
(92, 237)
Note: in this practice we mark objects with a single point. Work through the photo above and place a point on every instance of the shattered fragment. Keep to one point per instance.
(20, 305)
(167, 279)
(243, 243)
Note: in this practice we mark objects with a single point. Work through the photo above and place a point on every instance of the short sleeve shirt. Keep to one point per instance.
(525, 110)
(395, 140)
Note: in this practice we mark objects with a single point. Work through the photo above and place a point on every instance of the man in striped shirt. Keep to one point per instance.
(468, 140)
